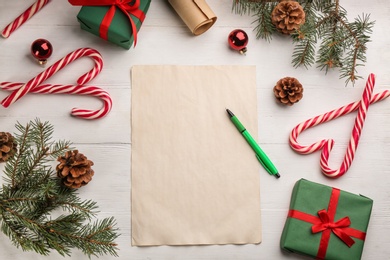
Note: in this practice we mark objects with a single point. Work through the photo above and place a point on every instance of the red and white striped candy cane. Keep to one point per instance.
(34, 85)
(70, 89)
(21, 19)
(326, 145)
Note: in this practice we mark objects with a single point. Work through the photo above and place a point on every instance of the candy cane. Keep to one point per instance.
(34, 85)
(327, 145)
(21, 19)
(70, 89)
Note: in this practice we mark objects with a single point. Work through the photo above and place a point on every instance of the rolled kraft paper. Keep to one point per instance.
(196, 14)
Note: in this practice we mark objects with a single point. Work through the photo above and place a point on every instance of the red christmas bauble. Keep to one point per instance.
(238, 40)
(41, 49)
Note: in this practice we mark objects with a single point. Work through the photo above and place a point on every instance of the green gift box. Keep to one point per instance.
(120, 30)
(325, 222)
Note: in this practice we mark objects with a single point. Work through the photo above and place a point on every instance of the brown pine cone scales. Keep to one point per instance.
(288, 91)
(7, 146)
(288, 16)
(74, 169)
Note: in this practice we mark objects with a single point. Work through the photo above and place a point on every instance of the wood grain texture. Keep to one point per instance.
(164, 39)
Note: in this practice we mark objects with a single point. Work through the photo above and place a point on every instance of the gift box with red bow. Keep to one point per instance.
(325, 222)
(117, 21)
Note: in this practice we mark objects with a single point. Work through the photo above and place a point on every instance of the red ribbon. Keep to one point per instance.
(128, 7)
(325, 223)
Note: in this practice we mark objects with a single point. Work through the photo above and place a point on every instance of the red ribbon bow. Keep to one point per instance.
(128, 7)
(324, 223)
(336, 227)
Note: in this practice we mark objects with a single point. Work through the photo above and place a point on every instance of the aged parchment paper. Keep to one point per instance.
(194, 179)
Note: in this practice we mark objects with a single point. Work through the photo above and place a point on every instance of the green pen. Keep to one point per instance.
(260, 155)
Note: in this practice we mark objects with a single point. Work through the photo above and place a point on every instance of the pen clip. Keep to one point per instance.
(263, 164)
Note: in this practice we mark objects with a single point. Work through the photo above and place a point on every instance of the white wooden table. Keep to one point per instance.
(164, 39)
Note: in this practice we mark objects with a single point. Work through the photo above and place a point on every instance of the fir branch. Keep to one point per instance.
(264, 27)
(39, 237)
(32, 191)
(14, 162)
(40, 137)
(304, 52)
(93, 239)
(35, 165)
(243, 7)
(41, 134)
(59, 148)
(12, 231)
(100, 234)
(3, 202)
(320, 5)
(331, 49)
(17, 235)
(85, 208)
(359, 29)
(342, 45)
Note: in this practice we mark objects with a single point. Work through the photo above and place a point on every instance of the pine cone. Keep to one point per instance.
(74, 169)
(288, 91)
(288, 16)
(7, 146)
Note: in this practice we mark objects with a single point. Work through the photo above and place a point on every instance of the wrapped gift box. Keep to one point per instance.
(119, 27)
(325, 222)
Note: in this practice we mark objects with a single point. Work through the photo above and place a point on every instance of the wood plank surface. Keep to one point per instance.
(164, 39)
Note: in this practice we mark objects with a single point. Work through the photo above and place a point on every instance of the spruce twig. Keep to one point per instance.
(342, 44)
(264, 27)
(31, 193)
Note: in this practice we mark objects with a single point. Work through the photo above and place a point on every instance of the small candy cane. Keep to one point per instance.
(34, 85)
(21, 19)
(326, 145)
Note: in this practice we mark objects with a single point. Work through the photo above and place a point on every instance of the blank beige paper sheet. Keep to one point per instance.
(194, 179)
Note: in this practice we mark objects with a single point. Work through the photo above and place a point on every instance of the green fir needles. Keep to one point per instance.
(37, 213)
(326, 38)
